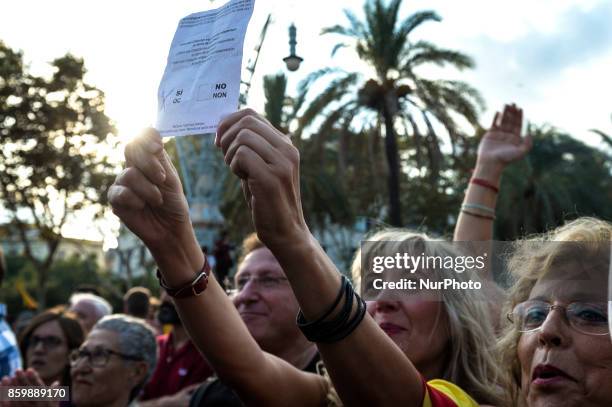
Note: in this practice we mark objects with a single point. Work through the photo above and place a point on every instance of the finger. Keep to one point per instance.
(133, 179)
(231, 119)
(246, 191)
(249, 138)
(520, 120)
(511, 120)
(262, 129)
(247, 164)
(495, 123)
(144, 153)
(172, 178)
(506, 119)
(121, 197)
(19, 378)
(33, 378)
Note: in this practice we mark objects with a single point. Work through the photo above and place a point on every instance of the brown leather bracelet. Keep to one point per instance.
(192, 289)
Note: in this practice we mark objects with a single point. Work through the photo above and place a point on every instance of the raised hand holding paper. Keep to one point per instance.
(201, 83)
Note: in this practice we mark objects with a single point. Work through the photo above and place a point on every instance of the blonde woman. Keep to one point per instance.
(556, 345)
(446, 334)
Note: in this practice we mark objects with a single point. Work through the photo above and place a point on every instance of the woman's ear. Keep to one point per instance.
(138, 372)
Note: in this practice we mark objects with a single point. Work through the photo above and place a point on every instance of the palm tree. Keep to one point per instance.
(396, 96)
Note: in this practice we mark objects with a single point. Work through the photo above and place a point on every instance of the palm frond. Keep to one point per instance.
(425, 52)
(335, 91)
(416, 19)
(337, 47)
(606, 138)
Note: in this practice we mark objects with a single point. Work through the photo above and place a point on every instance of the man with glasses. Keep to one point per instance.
(268, 307)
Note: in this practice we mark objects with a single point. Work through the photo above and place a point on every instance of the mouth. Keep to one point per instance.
(545, 375)
(81, 381)
(251, 314)
(37, 363)
(391, 329)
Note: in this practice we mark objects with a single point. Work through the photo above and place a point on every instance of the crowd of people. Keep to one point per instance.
(543, 341)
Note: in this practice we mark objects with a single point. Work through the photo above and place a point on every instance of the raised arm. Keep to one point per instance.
(501, 145)
(148, 197)
(366, 367)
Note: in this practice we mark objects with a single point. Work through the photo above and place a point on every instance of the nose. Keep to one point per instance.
(249, 294)
(81, 366)
(554, 332)
(385, 306)
(39, 347)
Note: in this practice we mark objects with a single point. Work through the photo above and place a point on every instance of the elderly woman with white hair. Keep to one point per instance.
(111, 366)
(89, 309)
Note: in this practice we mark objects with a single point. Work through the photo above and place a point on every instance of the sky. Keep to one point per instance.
(551, 57)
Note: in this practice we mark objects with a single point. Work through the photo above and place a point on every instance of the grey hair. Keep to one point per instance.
(471, 363)
(136, 338)
(102, 306)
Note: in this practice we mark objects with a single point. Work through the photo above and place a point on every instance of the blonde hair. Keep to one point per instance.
(471, 363)
(532, 259)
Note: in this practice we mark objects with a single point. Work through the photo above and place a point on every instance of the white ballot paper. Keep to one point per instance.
(201, 83)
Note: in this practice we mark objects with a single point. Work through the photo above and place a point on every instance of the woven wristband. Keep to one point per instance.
(484, 183)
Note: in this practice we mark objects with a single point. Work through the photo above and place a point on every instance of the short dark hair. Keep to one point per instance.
(137, 301)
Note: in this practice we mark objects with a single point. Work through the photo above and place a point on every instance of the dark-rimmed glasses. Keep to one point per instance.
(98, 357)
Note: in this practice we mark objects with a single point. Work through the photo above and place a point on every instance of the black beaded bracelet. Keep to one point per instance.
(340, 326)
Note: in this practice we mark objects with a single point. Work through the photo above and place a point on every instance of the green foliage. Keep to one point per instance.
(68, 274)
(397, 99)
(561, 178)
(52, 134)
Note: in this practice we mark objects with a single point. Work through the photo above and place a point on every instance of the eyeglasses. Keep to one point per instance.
(264, 281)
(589, 318)
(99, 357)
(48, 342)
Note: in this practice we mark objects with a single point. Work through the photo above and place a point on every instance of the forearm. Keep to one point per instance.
(475, 228)
(217, 330)
(380, 374)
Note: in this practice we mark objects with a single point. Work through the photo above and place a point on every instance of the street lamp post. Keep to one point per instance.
(292, 61)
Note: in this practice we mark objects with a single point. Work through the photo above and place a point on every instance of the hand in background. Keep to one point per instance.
(502, 144)
(27, 378)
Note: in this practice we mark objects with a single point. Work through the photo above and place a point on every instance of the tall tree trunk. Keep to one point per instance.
(390, 109)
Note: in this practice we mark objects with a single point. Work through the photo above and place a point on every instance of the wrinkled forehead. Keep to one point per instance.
(260, 262)
(578, 280)
(101, 338)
